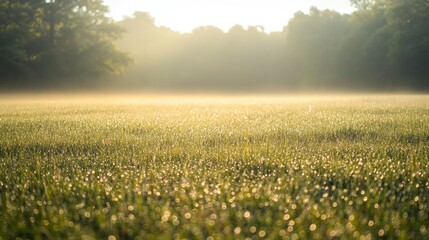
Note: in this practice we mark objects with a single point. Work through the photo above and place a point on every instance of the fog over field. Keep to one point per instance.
(242, 119)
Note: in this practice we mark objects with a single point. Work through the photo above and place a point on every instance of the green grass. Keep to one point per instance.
(342, 167)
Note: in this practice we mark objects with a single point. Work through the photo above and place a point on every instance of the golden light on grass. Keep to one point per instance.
(210, 167)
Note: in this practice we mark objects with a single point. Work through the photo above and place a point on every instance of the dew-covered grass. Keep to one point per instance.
(343, 167)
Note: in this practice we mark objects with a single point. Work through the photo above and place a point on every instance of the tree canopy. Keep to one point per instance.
(57, 42)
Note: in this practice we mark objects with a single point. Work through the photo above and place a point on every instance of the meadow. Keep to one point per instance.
(229, 167)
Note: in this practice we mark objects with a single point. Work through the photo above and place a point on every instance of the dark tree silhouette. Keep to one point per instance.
(57, 42)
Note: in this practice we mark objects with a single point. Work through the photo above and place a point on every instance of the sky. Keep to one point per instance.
(185, 15)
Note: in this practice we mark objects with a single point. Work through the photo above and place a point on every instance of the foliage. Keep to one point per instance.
(363, 51)
(312, 44)
(217, 168)
(382, 45)
(409, 51)
(56, 42)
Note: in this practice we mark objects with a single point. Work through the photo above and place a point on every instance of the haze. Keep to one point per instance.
(215, 46)
(214, 119)
(184, 16)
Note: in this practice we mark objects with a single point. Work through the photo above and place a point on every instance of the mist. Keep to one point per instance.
(131, 130)
(382, 46)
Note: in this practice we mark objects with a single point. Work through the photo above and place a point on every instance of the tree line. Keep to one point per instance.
(383, 45)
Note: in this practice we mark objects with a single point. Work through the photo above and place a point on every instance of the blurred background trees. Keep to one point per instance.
(57, 43)
(383, 45)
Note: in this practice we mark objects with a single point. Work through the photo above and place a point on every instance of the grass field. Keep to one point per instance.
(342, 167)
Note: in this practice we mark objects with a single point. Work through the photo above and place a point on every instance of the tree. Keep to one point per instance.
(58, 42)
(363, 4)
(153, 50)
(389, 43)
(312, 42)
(17, 19)
(409, 51)
(80, 41)
(362, 53)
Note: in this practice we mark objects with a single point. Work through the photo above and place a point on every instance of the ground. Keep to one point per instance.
(214, 167)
